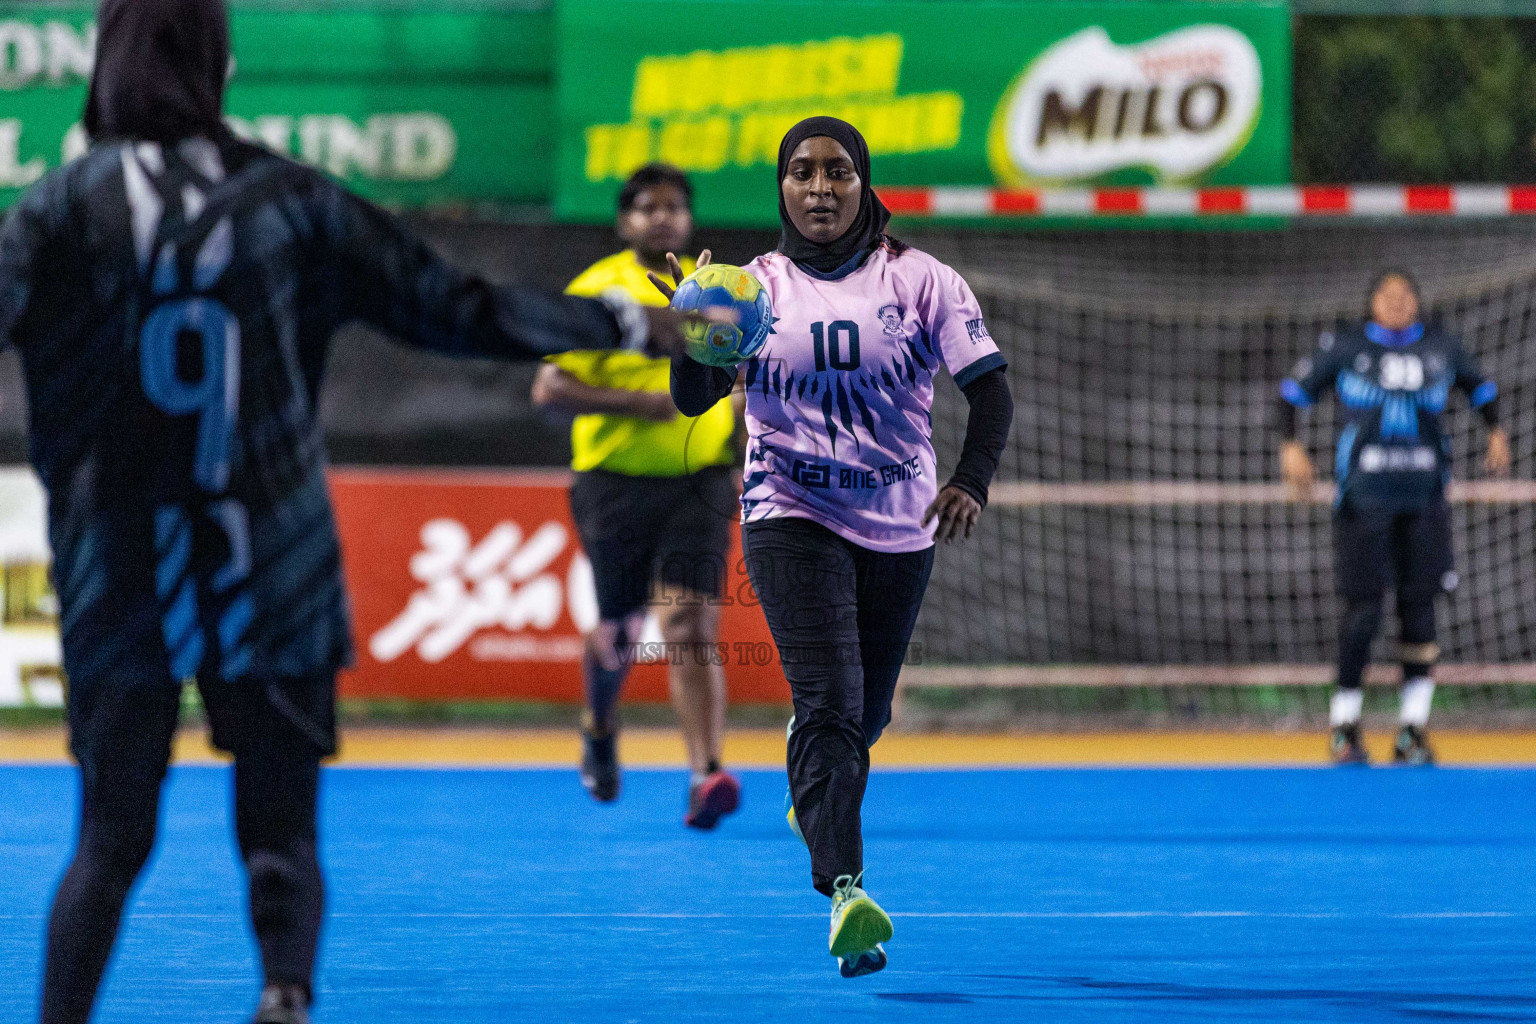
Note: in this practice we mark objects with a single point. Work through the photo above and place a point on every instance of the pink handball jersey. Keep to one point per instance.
(838, 399)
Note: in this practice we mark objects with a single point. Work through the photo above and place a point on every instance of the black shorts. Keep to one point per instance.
(119, 726)
(1409, 552)
(638, 531)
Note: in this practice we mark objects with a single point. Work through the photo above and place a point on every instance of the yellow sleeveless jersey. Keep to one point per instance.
(624, 444)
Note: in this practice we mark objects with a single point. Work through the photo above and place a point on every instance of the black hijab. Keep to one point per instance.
(160, 70)
(867, 229)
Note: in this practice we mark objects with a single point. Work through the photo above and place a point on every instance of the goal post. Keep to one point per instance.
(1137, 532)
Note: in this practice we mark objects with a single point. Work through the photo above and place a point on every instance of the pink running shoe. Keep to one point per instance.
(716, 796)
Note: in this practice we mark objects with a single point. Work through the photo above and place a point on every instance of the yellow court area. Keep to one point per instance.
(765, 748)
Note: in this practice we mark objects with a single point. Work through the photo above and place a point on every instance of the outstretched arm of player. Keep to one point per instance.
(392, 280)
(1483, 395)
(34, 227)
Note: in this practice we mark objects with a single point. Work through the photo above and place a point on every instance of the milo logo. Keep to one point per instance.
(1177, 105)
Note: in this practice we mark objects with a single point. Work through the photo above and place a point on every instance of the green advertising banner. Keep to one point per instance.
(426, 104)
(981, 93)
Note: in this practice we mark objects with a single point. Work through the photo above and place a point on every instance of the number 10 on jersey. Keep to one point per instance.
(836, 343)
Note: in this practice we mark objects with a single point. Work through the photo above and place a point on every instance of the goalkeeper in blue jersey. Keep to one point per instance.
(1392, 525)
(173, 294)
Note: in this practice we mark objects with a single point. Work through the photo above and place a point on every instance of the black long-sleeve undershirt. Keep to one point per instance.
(986, 433)
(696, 388)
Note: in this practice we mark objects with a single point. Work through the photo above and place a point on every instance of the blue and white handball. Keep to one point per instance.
(722, 285)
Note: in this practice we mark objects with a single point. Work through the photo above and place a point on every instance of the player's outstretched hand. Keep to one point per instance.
(677, 273)
(667, 325)
(1296, 470)
(956, 512)
(666, 338)
(1498, 460)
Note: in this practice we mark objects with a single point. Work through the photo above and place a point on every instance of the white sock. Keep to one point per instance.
(1344, 709)
(1418, 694)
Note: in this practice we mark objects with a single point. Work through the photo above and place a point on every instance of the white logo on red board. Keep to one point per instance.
(493, 593)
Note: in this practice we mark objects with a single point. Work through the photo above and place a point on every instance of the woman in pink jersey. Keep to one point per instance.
(841, 505)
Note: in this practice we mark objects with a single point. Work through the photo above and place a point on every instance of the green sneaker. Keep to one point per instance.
(859, 926)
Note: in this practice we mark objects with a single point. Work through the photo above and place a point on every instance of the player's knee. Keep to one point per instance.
(826, 740)
(690, 624)
(877, 715)
(281, 876)
(1418, 628)
(1417, 650)
(594, 645)
(119, 852)
(604, 643)
(1363, 614)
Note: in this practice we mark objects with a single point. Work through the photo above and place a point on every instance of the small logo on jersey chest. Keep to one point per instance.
(1402, 372)
(891, 316)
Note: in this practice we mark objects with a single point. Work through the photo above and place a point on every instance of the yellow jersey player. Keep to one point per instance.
(654, 502)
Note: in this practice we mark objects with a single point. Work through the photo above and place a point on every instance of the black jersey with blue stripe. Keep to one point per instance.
(1392, 453)
(173, 307)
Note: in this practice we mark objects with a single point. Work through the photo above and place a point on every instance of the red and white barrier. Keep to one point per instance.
(1365, 201)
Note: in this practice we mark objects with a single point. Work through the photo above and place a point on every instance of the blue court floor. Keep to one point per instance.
(474, 897)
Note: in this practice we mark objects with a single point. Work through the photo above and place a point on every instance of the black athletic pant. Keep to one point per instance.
(121, 735)
(1409, 552)
(841, 616)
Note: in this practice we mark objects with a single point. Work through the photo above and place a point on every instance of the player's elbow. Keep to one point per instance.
(690, 387)
(690, 405)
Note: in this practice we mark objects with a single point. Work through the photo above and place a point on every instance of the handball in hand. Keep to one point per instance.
(720, 285)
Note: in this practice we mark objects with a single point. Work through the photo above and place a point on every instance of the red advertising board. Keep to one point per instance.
(470, 585)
